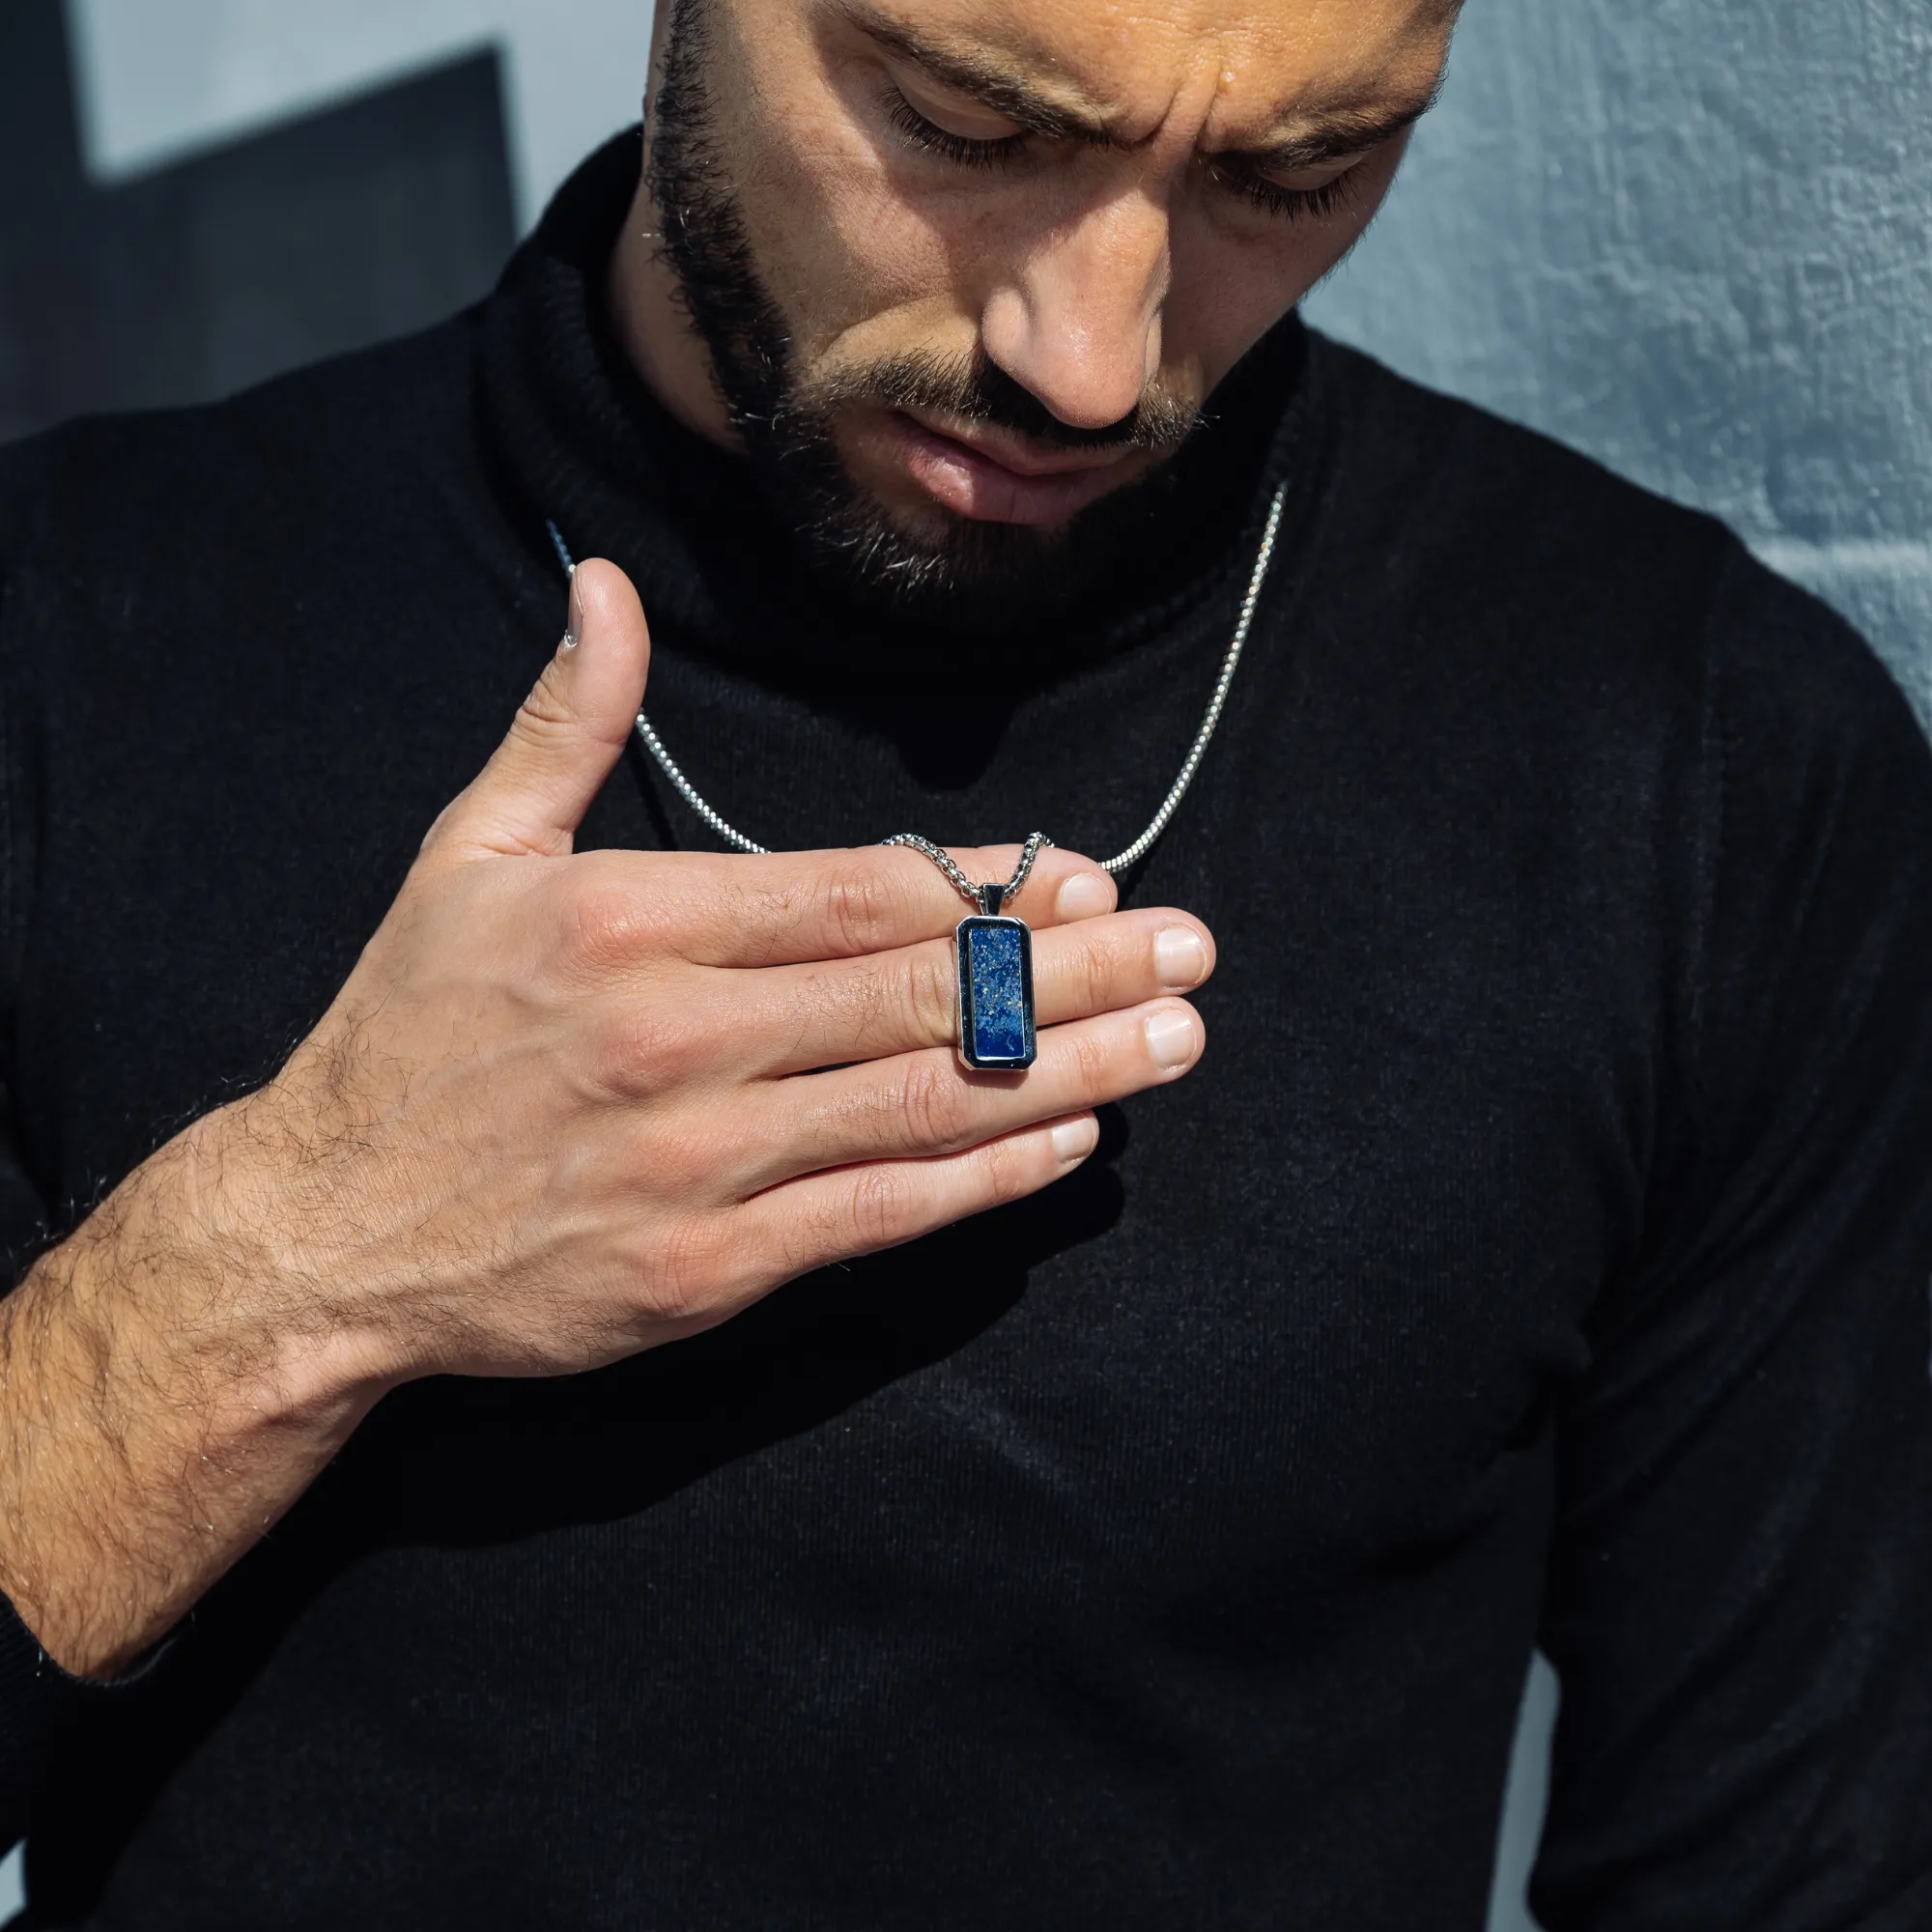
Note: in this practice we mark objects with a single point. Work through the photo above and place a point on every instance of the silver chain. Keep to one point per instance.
(1121, 861)
(988, 898)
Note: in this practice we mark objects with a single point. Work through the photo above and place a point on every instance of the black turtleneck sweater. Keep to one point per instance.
(1541, 1249)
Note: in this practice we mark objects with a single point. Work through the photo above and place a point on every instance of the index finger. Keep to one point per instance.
(787, 908)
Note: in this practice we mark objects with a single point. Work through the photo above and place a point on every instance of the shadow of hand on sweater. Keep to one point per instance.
(454, 1460)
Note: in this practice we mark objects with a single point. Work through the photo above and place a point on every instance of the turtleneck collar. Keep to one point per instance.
(580, 441)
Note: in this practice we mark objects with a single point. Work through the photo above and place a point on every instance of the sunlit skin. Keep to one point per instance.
(1092, 194)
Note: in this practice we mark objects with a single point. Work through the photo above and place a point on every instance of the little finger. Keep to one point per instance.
(928, 1102)
(858, 1210)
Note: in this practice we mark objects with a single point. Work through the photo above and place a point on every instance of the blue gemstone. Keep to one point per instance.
(999, 1002)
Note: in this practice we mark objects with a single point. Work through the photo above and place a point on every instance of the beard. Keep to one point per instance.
(953, 571)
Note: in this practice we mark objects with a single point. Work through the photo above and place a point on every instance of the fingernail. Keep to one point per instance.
(1075, 1140)
(1170, 1037)
(1180, 958)
(1083, 896)
(573, 623)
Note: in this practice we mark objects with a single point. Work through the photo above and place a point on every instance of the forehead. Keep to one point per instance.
(1140, 61)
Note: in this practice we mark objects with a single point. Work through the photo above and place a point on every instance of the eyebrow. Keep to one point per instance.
(981, 79)
(1332, 137)
(1349, 132)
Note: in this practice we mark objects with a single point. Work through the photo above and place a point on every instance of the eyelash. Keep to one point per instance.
(1292, 204)
(924, 137)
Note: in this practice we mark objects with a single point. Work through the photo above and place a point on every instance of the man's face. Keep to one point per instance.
(969, 269)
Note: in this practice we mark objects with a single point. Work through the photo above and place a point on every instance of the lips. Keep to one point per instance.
(1011, 486)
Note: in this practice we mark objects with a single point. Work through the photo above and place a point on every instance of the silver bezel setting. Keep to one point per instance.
(974, 921)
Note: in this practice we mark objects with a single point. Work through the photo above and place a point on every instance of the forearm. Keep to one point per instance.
(167, 1392)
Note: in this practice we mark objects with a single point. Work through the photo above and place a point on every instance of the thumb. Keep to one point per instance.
(566, 735)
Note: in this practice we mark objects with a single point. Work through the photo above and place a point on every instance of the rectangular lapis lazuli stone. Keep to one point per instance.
(996, 992)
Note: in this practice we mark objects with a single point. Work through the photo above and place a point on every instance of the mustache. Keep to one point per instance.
(976, 390)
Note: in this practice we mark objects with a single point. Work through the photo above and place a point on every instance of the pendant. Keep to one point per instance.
(996, 1029)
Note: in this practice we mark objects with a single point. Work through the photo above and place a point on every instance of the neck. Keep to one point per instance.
(655, 333)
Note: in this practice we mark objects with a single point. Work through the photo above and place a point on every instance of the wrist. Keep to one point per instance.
(255, 1212)
(169, 1388)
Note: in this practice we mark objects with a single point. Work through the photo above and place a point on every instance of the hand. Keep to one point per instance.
(566, 1108)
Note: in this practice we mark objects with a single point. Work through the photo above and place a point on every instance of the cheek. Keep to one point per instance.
(1227, 293)
(841, 252)
(831, 243)
(1234, 279)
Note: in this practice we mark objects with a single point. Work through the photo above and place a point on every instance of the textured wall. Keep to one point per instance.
(1695, 239)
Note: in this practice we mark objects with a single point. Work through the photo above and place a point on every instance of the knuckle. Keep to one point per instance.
(1091, 974)
(931, 1101)
(807, 1240)
(931, 994)
(878, 1210)
(606, 927)
(747, 1269)
(544, 716)
(1004, 1170)
(859, 907)
(646, 1048)
(688, 1273)
(1094, 1073)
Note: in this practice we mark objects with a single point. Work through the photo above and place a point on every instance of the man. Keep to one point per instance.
(552, 1437)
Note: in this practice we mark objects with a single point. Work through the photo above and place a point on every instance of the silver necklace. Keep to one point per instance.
(995, 948)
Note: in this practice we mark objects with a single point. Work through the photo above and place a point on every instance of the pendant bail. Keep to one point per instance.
(991, 897)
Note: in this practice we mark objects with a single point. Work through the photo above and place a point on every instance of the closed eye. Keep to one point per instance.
(928, 137)
(1273, 197)
(920, 134)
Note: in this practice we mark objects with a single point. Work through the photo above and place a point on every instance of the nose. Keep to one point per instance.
(1079, 324)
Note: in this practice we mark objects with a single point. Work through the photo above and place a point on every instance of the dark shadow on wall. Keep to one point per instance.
(366, 221)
